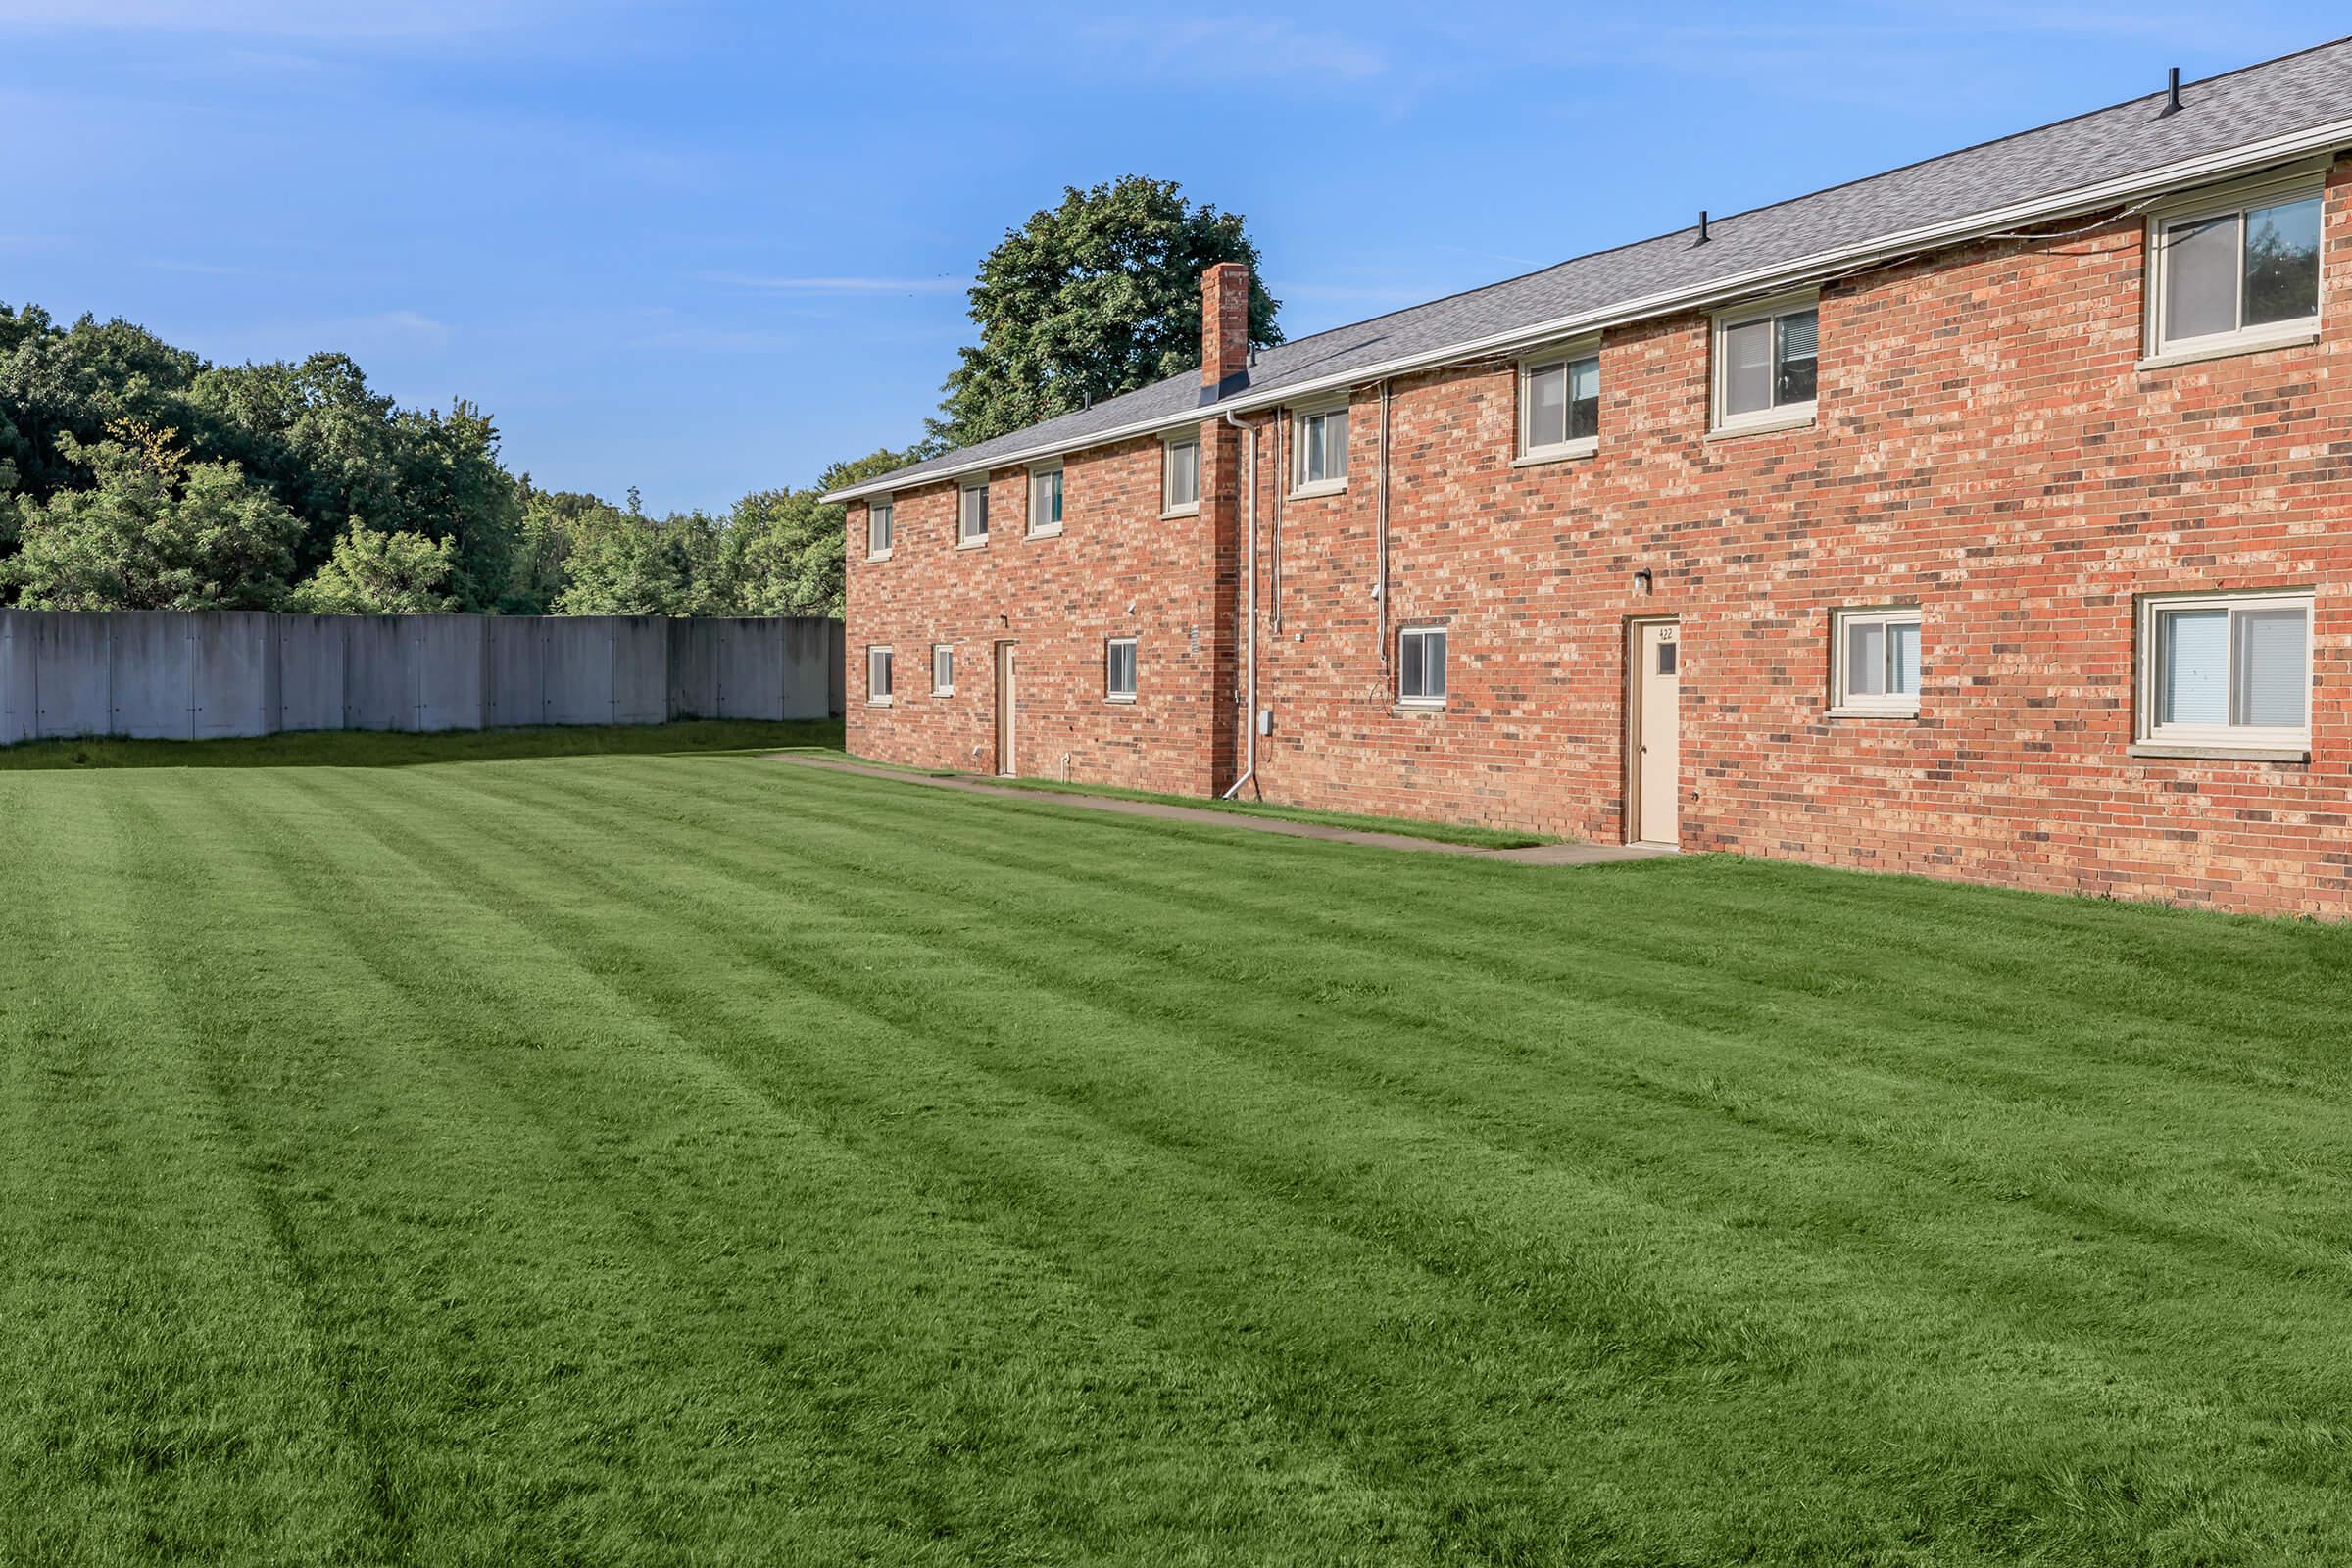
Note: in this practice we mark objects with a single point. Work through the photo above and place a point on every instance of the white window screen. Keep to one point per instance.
(1421, 665)
(2194, 667)
(2200, 281)
(2271, 683)
(1747, 368)
(1546, 406)
(976, 512)
(1184, 474)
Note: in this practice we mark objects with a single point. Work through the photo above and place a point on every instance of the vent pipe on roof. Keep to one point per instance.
(2172, 94)
(1703, 225)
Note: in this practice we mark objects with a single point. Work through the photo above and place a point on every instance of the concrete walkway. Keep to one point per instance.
(1534, 854)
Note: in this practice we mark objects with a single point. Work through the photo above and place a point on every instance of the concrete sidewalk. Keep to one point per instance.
(1534, 854)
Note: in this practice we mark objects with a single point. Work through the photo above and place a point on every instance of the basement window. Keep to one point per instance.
(971, 515)
(1118, 670)
(2239, 270)
(1767, 365)
(1421, 666)
(1045, 499)
(943, 670)
(1319, 450)
(1179, 479)
(1877, 663)
(877, 677)
(1560, 405)
(878, 530)
(2226, 672)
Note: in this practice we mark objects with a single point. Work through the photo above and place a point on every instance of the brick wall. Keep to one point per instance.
(1986, 445)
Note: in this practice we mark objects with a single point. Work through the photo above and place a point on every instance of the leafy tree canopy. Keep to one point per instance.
(1096, 297)
(153, 531)
(381, 574)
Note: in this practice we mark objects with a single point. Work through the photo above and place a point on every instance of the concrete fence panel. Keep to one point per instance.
(640, 669)
(171, 675)
(579, 658)
(18, 710)
(750, 667)
(233, 675)
(380, 674)
(808, 647)
(72, 673)
(147, 675)
(447, 657)
(309, 670)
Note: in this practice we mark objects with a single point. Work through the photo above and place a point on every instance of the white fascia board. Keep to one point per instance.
(1778, 276)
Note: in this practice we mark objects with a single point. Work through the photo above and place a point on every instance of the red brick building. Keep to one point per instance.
(1988, 519)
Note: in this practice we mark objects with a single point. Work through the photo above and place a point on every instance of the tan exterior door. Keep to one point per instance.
(1005, 702)
(1656, 733)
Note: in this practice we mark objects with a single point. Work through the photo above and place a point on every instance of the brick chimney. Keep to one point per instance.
(1224, 328)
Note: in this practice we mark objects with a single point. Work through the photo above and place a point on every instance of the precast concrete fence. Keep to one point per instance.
(168, 676)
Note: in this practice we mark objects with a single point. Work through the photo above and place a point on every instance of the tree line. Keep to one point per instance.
(136, 475)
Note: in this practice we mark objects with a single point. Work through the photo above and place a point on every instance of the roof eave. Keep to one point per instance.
(1778, 276)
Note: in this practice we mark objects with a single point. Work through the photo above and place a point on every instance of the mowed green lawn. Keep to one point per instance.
(695, 1159)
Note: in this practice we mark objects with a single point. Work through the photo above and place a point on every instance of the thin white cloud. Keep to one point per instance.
(840, 285)
(1224, 48)
(278, 19)
(200, 268)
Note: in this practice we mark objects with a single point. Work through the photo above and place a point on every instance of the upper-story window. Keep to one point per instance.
(1180, 476)
(1319, 450)
(2226, 671)
(877, 530)
(1045, 499)
(1559, 403)
(2237, 269)
(972, 512)
(1766, 360)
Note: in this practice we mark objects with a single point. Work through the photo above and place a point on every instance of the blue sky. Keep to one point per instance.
(707, 248)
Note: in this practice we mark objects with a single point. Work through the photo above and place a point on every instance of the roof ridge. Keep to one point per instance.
(1717, 221)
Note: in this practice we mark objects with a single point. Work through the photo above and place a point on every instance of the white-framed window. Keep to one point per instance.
(1876, 660)
(1559, 403)
(1045, 499)
(2225, 670)
(1118, 670)
(971, 514)
(1319, 450)
(877, 677)
(1180, 476)
(943, 670)
(1766, 364)
(2236, 268)
(1421, 666)
(877, 530)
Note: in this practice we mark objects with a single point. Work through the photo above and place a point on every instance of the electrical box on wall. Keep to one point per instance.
(1265, 721)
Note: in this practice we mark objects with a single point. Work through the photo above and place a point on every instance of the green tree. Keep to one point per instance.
(1096, 297)
(381, 574)
(625, 563)
(74, 381)
(151, 531)
(781, 551)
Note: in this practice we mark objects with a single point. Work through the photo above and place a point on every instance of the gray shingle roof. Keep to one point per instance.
(2219, 114)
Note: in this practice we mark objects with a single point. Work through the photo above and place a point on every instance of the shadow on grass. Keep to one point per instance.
(370, 749)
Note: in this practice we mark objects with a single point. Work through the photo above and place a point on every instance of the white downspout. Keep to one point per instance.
(1250, 711)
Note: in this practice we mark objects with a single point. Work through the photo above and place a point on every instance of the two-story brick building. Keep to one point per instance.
(1986, 518)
